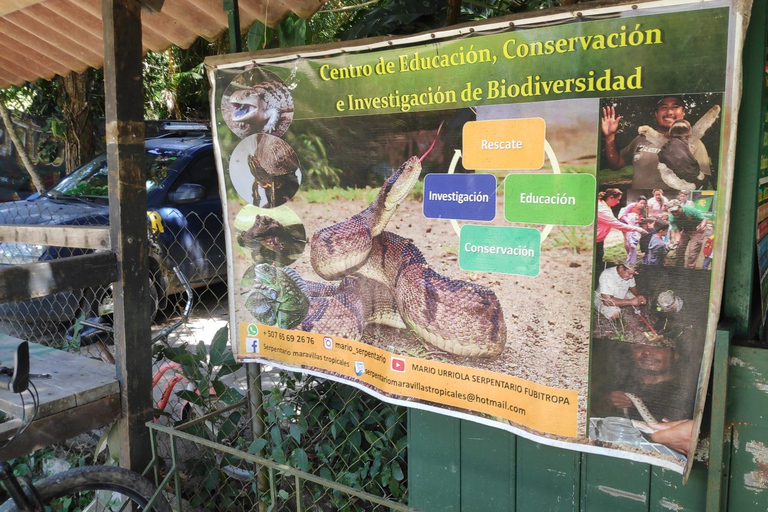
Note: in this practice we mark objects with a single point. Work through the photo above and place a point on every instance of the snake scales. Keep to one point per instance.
(645, 413)
(386, 280)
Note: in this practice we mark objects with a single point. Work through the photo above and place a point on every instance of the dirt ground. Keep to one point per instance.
(547, 316)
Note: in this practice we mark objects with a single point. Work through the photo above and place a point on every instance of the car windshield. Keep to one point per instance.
(90, 180)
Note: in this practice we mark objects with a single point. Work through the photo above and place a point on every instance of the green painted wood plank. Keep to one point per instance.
(434, 461)
(611, 484)
(748, 488)
(716, 483)
(487, 468)
(669, 494)
(548, 479)
(740, 260)
(747, 400)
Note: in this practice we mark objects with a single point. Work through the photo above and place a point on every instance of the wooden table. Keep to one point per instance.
(82, 394)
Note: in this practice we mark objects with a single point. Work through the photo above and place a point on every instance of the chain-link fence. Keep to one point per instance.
(328, 446)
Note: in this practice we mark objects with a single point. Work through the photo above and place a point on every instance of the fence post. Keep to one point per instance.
(128, 224)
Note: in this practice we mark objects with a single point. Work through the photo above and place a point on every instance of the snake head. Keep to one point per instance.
(277, 297)
(399, 185)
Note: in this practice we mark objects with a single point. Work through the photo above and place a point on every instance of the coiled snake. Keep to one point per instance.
(386, 280)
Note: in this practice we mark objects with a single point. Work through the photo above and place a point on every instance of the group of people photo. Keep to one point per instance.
(654, 249)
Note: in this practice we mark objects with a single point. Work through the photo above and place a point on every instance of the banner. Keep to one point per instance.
(514, 223)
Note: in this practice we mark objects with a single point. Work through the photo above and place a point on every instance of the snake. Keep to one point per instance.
(645, 413)
(394, 285)
(385, 279)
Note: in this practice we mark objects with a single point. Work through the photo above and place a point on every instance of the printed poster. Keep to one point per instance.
(762, 204)
(514, 225)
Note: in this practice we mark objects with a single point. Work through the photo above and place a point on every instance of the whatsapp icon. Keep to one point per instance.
(253, 330)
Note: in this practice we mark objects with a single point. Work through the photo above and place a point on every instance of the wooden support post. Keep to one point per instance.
(454, 9)
(128, 222)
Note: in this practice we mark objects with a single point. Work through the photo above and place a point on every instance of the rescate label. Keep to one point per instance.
(504, 144)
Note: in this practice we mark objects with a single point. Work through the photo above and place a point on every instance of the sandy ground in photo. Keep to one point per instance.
(547, 316)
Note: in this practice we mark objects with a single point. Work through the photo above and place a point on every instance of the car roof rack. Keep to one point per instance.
(184, 128)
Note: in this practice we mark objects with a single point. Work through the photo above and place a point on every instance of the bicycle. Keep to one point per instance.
(87, 488)
(99, 331)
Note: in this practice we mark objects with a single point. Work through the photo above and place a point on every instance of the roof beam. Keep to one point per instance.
(57, 38)
(84, 33)
(41, 46)
(12, 50)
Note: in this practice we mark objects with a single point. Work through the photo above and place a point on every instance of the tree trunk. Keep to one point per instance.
(36, 179)
(80, 143)
(454, 9)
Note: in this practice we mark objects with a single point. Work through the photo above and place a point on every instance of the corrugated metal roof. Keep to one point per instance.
(43, 38)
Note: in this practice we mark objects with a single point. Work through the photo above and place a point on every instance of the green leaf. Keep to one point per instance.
(397, 471)
(257, 445)
(276, 435)
(375, 466)
(292, 31)
(355, 438)
(230, 396)
(191, 396)
(279, 456)
(201, 351)
(283, 494)
(181, 356)
(259, 36)
(229, 365)
(219, 347)
(113, 442)
(295, 432)
(326, 473)
(302, 461)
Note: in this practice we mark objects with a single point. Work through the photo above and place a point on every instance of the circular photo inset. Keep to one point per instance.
(274, 295)
(274, 236)
(265, 170)
(257, 101)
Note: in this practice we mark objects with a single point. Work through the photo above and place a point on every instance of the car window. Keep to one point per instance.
(201, 172)
(91, 180)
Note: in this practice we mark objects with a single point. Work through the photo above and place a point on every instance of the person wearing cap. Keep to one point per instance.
(617, 289)
(688, 229)
(655, 378)
(643, 155)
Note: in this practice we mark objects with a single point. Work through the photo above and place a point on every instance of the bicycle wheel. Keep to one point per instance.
(95, 488)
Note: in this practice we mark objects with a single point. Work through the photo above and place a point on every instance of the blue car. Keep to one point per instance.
(184, 219)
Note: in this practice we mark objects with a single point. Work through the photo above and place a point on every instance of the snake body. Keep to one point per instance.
(645, 413)
(387, 280)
